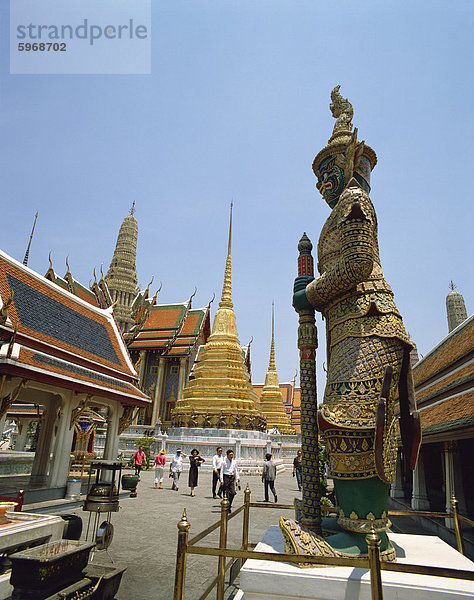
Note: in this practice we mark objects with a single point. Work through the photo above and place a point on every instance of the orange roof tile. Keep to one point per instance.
(449, 410)
(192, 323)
(164, 317)
(454, 346)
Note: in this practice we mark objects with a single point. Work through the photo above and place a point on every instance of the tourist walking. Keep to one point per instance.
(160, 460)
(195, 461)
(217, 461)
(176, 468)
(229, 476)
(138, 459)
(269, 474)
(297, 469)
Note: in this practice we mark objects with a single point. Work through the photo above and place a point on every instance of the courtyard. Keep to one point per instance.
(146, 533)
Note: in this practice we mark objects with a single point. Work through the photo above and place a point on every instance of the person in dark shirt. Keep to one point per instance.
(269, 476)
(297, 466)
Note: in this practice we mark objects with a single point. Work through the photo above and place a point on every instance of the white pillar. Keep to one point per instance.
(419, 498)
(45, 439)
(396, 490)
(449, 481)
(112, 436)
(64, 437)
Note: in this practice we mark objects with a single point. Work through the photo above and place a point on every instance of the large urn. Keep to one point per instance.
(4, 507)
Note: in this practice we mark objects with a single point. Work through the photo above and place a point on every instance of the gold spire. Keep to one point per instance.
(271, 400)
(226, 300)
(271, 364)
(220, 393)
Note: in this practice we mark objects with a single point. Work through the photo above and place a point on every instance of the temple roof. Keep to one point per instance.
(444, 382)
(61, 338)
(172, 328)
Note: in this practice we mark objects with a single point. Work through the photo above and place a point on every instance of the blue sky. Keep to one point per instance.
(236, 107)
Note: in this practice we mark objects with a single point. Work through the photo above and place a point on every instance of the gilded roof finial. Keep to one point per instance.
(271, 364)
(226, 300)
(341, 110)
(67, 265)
(27, 253)
(50, 261)
(132, 209)
(452, 286)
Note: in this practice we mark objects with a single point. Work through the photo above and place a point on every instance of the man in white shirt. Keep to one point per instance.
(229, 476)
(176, 468)
(217, 461)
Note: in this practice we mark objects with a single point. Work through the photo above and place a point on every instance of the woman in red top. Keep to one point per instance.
(160, 460)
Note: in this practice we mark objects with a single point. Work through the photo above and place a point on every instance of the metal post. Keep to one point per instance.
(246, 520)
(373, 544)
(222, 546)
(457, 524)
(183, 529)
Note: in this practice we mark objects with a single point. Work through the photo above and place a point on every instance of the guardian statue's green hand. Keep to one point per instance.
(300, 301)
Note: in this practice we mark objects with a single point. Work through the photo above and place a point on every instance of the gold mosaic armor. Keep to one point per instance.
(364, 329)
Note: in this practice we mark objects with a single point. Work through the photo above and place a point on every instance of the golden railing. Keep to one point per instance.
(371, 563)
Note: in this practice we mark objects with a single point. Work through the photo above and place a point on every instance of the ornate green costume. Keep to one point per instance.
(365, 335)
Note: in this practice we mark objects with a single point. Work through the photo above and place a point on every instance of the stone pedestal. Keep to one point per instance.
(263, 580)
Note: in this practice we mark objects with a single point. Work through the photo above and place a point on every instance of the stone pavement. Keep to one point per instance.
(146, 533)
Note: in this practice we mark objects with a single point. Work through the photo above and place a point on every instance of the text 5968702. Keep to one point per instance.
(42, 47)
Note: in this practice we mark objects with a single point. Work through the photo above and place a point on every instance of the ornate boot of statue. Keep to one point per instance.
(367, 352)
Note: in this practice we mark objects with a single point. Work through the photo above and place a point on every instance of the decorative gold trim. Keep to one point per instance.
(80, 408)
(299, 540)
(128, 415)
(353, 523)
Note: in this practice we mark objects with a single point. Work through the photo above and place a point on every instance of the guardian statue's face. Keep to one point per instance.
(330, 180)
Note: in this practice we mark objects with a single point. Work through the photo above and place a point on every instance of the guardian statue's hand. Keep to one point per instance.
(300, 301)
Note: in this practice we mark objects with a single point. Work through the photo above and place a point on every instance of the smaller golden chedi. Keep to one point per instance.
(220, 393)
(271, 400)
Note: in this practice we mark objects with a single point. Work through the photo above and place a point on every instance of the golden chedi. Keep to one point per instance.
(271, 400)
(220, 393)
